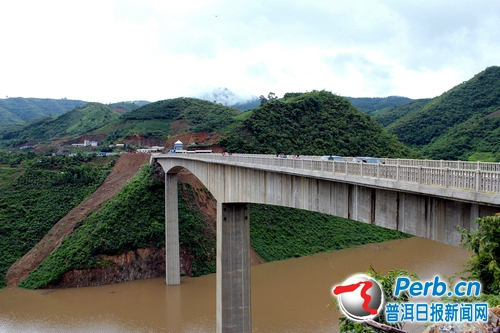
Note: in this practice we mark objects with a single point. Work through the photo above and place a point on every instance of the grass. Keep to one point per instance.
(483, 157)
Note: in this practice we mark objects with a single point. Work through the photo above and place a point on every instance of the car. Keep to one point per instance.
(332, 158)
(369, 160)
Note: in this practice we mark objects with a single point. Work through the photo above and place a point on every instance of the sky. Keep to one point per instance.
(110, 51)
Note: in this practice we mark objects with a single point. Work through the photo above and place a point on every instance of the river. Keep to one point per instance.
(287, 296)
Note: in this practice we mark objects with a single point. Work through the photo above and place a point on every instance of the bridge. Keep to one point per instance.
(420, 197)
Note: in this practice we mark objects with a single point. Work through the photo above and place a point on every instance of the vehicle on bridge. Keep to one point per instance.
(369, 160)
(332, 158)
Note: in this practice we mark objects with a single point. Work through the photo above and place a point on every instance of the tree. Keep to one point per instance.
(263, 100)
(270, 97)
(485, 243)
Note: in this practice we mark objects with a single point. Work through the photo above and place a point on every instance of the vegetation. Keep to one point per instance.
(458, 123)
(314, 123)
(387, 116)
(13, 110)
(134, 218)
(278, 233)
(194, 236)
(120, 120)
(371, 104)
(484, 264)
(39, 193)
(124, 107)
(80, 120)
(198, 114)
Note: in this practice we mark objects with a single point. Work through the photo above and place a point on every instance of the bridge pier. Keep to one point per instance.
(233, 268)
(172, 269)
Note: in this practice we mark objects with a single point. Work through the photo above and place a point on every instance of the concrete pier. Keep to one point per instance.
(233, 268)
(173, 273)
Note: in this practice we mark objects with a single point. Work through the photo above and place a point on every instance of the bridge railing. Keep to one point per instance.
(450, 177)
(466, 165)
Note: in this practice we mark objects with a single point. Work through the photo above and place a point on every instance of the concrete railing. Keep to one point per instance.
(442, 164)
(484, 177)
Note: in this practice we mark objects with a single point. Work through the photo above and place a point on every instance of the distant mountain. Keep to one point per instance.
(460, 124)
(371, 104)
(13, 110)
(226, 97)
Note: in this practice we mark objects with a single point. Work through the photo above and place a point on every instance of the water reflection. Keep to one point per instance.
(287, 296)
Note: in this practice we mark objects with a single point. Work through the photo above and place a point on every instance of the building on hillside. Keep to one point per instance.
(87, 143)
(178, 145)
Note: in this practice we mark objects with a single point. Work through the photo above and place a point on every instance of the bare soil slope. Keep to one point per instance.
(124, 170)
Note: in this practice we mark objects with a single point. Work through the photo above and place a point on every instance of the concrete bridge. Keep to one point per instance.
(423, 198)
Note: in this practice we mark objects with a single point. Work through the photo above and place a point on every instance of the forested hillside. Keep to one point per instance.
(459, 123)
(13, 110)
(314, 123)
(197, 115)
(389, 115)
(372, 104)
(35, 196)
(76, 122)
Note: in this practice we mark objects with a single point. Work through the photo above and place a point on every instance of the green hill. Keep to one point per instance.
(389, 115)
(170, 117)
(458, 123)
(74, 123)
(19, 109)
(313, 123)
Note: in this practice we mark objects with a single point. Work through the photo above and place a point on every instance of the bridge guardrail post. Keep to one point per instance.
(446, 175)
(397, 172)
(420, 174)
(478, 180)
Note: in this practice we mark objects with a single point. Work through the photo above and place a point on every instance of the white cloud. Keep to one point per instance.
(110, 51)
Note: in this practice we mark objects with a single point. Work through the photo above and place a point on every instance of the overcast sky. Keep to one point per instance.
(110, 51)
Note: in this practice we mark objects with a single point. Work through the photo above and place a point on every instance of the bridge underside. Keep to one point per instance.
(234, 187)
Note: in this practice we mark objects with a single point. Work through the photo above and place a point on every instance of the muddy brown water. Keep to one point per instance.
(287, 296)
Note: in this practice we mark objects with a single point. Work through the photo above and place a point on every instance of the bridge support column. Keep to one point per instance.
(172, 269)
(233, 268)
